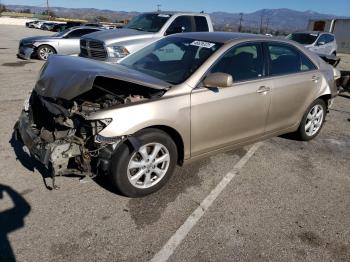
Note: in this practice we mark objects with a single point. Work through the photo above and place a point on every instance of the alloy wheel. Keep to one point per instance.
(45, 52)
(148, 165)
(314, 120)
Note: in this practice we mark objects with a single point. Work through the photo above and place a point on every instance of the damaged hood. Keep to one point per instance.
(118, 35)
(37, 38)
(68, 77)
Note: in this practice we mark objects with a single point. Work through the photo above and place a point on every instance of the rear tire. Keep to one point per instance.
(142, 172)
(313, 120)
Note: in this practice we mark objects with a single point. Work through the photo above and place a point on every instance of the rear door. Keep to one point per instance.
(201, 24)
(224, 116)
(295, 82)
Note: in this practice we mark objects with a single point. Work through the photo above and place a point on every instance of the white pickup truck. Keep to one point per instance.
(112, 45)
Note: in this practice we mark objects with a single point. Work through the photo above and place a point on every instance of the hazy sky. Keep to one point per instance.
(336, 7)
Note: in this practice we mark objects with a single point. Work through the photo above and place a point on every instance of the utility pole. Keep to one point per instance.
(261, 21)
(240, 22)
(267, 25)
(48, 9)
(158, 7)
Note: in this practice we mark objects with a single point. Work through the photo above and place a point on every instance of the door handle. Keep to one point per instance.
(315, 79)
(263, 89)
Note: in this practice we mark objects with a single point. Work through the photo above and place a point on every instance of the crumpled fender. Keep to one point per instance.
(28, 51)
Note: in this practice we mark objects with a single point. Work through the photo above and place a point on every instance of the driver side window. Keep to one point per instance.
(180, 24)
(79, 32)
(244, 62)
(322, 40)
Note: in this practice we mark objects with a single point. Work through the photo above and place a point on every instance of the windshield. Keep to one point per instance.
(148, 22)
(303, 38)
(171, 59)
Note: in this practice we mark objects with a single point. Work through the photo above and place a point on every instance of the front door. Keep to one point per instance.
(70, 44)
(223, 116)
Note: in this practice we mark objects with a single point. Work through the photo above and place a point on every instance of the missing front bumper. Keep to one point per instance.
(55, 155)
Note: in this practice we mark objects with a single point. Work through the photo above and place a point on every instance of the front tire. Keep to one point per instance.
(313, 120)
(137, 173)
(44, 51)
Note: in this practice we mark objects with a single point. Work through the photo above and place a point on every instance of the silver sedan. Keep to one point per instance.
(63, 43)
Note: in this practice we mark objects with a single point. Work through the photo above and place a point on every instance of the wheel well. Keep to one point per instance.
(326, 98)
(47, 45)
(177, 139)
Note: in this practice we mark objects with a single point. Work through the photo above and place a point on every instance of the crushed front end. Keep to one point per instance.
(55, 125)
(57, 134)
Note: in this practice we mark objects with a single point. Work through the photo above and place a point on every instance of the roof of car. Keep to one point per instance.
(85, 27)
(312, 32)
(222, 37)
(175, 13)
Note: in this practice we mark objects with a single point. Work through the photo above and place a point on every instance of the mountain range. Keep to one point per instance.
(282, 19)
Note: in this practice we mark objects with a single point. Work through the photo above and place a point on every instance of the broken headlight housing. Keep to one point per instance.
(99, 125)
(106, 140)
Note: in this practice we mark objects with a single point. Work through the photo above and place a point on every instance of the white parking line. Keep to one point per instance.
(180, 234)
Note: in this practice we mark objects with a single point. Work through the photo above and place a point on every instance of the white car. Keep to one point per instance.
(39, 24)
(319, 42)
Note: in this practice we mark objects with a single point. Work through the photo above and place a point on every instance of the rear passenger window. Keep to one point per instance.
(285, 59)
(306, 64)
(244, 62)
(201, 24)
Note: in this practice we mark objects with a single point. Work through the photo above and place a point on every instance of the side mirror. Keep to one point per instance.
(218, 80)
(321, 43)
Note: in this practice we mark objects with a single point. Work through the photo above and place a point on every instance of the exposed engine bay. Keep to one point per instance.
(57, 133)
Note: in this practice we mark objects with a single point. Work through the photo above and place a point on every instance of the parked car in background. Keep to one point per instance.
(65, 43)
(39, 24)
(48, 26)
(112, 45)
(30, 23)
(181, 98)
(95, 25)
(64, 26)
(339, 27)
(33, 23)
(59, 27)
(319, 42)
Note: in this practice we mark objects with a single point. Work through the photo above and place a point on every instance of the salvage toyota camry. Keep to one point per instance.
(179, 99)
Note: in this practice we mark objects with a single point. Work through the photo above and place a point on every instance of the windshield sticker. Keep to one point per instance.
(202, 44)
(162, 15)
(314, 34)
